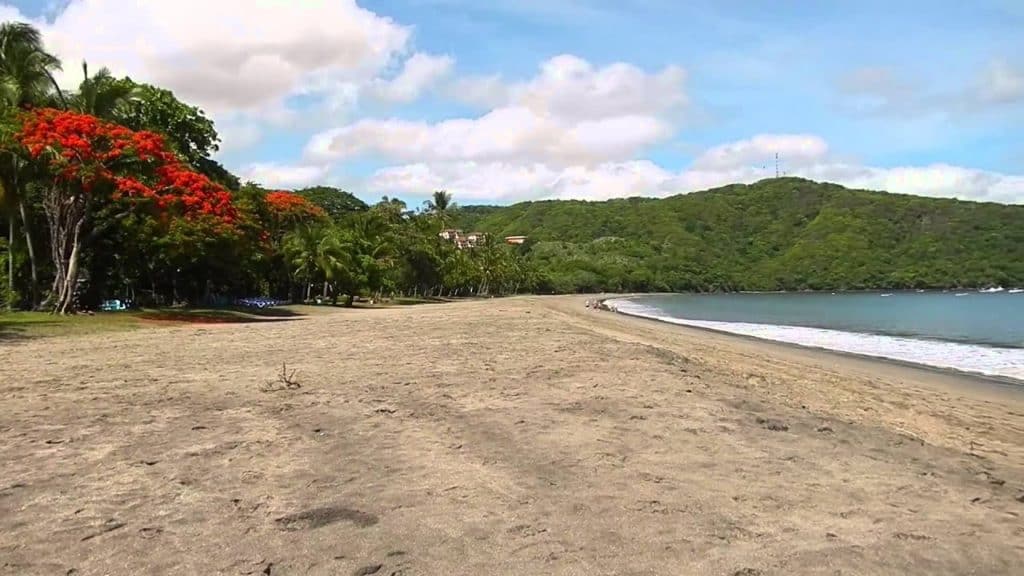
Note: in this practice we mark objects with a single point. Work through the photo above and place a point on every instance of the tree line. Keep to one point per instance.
(776, 234)
(110, 191)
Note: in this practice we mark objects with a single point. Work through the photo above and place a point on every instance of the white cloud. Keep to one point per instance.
(8, 13)
(466, 180)
(505, 134)
(274, 175)
(794, 149)
(570, 113)
(245, 62)
(228, 54)
(569, 87)
(419, 73)
(744, 161)
(936, 180)
(515, 182)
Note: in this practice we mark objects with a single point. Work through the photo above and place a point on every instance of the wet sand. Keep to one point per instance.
(518, 436)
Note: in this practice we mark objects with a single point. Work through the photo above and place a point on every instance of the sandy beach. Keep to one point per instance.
(511, 436)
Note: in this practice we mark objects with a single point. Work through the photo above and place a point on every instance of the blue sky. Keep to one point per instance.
(508, 100)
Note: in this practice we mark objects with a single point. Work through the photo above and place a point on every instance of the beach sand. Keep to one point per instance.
(511, 436)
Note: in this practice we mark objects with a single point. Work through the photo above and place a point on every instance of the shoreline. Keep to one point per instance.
(1010, 384)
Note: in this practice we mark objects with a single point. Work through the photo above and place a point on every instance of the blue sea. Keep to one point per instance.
(969, 331)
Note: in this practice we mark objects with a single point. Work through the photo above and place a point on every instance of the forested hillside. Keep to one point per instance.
(777, 234)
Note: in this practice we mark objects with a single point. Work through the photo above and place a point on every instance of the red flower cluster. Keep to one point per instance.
(196, 193)
(82, 149)
(290, 206)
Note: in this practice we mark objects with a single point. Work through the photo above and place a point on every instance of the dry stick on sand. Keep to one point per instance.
(285, 381)
(288, 380)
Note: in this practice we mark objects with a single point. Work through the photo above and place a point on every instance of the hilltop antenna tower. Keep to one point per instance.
(776, 164)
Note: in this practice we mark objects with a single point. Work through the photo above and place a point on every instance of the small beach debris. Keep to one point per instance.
(285, 381)
(108, 526)
(324, 516)
(911, 536)
(367, 570)
(288, 380)
(773, 424)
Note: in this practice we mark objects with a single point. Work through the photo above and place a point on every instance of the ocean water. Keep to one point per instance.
(973, 332)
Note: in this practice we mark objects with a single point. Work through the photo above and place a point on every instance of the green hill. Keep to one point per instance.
(777, 234)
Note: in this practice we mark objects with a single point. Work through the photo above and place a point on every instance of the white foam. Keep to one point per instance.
(990, 361)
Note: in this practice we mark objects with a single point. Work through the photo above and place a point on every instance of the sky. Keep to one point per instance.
(507, 100)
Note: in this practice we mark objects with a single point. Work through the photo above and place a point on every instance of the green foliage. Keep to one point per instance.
(218, 173)
(335, 202)
(777, 234)
(24, 325)
(186, 127)
(145, 107)
(102, 95)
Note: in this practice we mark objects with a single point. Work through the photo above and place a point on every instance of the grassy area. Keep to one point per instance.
(14, 325)
(17, 325)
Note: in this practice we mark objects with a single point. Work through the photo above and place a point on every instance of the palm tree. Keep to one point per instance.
(102, 94)
(334, 259)
(300, 250)
(26, 79)
(371, 242)
(440, 206)
(323, 252)
(26, 68)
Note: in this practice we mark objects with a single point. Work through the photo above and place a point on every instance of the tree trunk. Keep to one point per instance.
(10, 262)
(349, 299)
(69, 303)
(66, 215)
(152, 283)
(26, 228)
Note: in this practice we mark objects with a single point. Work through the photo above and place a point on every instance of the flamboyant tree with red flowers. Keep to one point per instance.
(288, 208)
(96, 165)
